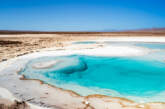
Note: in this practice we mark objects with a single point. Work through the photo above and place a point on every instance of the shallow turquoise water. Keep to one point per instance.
(85, 42)
(140, 44)
(129, 77)
(149, 45)
(152, 45)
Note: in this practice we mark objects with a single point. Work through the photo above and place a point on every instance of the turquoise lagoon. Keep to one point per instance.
(150, 45)
(85, 42)
(140, 78)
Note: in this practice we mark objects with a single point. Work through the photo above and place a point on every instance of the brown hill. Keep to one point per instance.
(147, 32)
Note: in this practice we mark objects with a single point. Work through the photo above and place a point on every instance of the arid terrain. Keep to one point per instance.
(18, 43)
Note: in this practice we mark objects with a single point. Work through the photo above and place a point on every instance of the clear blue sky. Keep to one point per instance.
(81, 15)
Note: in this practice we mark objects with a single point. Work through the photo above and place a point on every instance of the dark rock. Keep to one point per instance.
(4, 59)
(15, 105)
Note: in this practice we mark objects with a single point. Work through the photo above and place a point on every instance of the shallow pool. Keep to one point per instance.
(152, 45)
(127, 76)
(149, 45)
(85, 42)
(138, 78)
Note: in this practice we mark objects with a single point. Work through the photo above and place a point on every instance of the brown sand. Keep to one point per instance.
(17, 45)
(14, 44)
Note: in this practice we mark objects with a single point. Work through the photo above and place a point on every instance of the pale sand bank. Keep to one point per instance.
(35, 92)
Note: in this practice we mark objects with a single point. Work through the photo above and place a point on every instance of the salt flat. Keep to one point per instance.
(44, 95)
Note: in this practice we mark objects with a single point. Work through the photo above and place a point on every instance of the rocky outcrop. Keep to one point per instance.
(5, 104)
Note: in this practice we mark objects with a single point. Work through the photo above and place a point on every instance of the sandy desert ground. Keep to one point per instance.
(17, 45)
(14, 43)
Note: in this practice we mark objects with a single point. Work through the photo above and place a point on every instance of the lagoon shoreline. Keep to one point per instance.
(53, 97)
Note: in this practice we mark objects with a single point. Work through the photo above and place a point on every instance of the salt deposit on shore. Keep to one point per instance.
(44, 95)
(43, 65)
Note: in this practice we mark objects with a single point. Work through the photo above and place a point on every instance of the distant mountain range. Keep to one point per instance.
(148, 30)
(153, 31)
